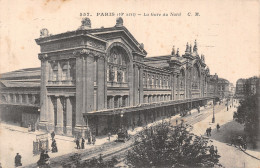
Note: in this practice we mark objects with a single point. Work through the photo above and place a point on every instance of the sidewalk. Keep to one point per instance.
(21, 141)
(230, 155)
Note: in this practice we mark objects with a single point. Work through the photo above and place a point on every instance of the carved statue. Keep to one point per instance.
(119, 21)
(173, 50)
(85, 24)
(178, 52)
(44, 32)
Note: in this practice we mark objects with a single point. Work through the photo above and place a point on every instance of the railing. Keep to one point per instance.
(117, 84)
(63, 82)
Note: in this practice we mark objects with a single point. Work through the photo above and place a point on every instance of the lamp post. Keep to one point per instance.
(121, 117)
(227, 104)
(213, 118)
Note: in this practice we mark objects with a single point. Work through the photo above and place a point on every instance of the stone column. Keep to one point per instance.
(59, 73)
(59, 126)
(80, 90)
(101, 78)
(141, 90)
(178, 87)
(26, 99)
(69, 116)
(136, 85)
(43, 93)
(20, 98)
(51, 123)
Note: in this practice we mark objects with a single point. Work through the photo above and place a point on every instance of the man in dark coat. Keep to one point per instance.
(52, 135)
(82, 143)
(17, 160)
(209, 131)
(77, 143)
(54, 146)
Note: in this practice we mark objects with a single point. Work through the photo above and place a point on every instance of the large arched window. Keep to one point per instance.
(117, 66)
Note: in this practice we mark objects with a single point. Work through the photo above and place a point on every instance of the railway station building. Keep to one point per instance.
(101, 79)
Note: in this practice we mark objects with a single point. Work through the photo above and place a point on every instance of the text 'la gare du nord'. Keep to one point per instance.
(139, 14)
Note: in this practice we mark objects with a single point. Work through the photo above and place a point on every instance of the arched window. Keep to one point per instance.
(73, 71)
(182, 79)
(64, 73)
(117, 66)
(55, 72)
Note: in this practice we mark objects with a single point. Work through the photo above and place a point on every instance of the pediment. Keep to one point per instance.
(123, 35)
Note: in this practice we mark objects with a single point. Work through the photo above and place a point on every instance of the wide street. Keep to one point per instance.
(20, 140)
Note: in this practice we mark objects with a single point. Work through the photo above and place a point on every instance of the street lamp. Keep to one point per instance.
(121, 116)
(213, 118)
(227, 104)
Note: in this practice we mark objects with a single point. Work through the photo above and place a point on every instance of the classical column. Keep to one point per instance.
(43, 93)
(59, 72)
(59, 126)
(69, 116)
(141, 90)
(68, 72)
(80, 91)
(178, 87)
(20, 98)
(136, 85)
(50, 116)
(100, 80)
(26, 99)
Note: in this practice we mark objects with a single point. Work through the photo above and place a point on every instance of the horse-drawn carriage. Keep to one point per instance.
(122, 135)
(239, 141)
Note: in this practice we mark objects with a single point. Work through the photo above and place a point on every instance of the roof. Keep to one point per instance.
(29, 73)
(19, 84)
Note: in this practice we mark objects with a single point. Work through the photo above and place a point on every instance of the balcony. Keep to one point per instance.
(63, 82)
(117, 84)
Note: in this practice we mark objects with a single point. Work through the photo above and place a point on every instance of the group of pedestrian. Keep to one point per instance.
(208, 131)
(80, 143)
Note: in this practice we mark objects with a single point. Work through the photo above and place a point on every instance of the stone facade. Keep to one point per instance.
(100, 80)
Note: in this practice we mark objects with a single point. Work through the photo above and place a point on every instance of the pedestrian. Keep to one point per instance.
(82, 143)
(133, 126)
(46, 158)
(52, 135)
(216, 151)
(211, 151)
(93, 139)
(182, 121)
(218, 127)
(54, 146)
(18, 160)
(109, 135)
(89, 139)
(209, 131)
(176, 121)
(77, 143)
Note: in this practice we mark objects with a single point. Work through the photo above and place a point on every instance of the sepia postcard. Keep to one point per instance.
(129, 83)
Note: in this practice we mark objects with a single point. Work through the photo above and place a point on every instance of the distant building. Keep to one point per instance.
(100, 79)
(223, 88)
(246, 87)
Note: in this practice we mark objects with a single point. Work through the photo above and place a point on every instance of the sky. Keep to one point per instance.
(227, 31)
